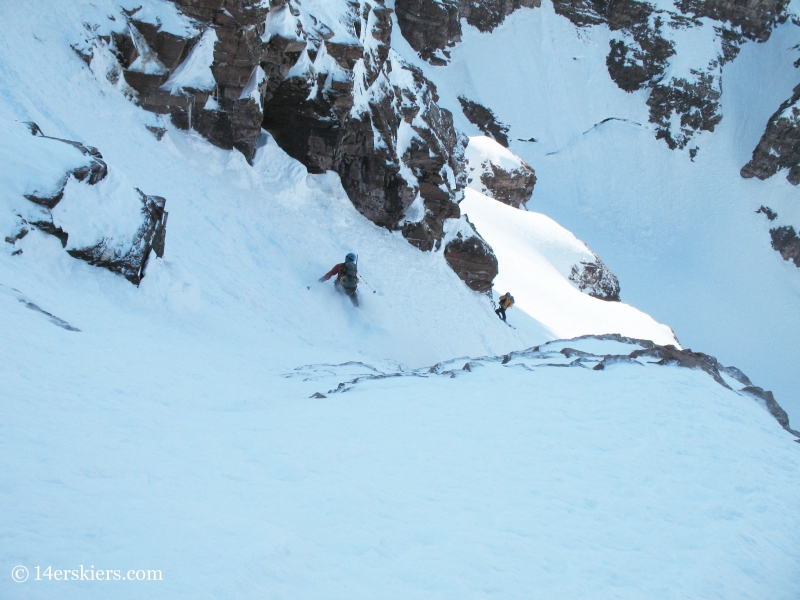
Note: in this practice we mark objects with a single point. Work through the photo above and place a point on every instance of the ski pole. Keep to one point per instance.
(368, 285)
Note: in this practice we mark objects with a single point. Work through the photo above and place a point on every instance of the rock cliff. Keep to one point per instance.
(332, 93)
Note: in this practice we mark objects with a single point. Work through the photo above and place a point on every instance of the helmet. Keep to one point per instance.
(351, 256)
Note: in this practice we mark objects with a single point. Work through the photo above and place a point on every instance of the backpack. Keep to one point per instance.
(506, 301)
(349, 279)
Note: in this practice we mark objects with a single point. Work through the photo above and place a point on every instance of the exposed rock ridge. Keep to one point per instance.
(558, 353)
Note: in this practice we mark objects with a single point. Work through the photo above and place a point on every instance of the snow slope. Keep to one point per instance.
(682, 236)
(535, 255)
(165, 427)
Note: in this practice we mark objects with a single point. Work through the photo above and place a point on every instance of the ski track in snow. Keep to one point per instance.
(166, 435)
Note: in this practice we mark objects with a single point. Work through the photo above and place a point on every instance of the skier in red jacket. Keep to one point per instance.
(347, 277)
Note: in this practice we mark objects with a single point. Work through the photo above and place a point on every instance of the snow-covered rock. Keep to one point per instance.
(321, 78)
(93, 210)
(498, 173)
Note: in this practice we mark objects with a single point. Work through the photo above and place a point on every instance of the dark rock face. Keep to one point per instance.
(696, 102)
(595, 279)
(768, 400)
(756, 18)
(510, 187)
(486, 15)
(786, 241)
(485, 120)
(779, 147)
(330, 102)
(432, 26)
(429, 26)
(473, 260)
(128, 257)
(638, 62)
(312, 117)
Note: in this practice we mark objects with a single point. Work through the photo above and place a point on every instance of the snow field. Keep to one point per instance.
(638, 481)
(535, 255)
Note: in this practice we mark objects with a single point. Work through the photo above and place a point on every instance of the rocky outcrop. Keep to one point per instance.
(485, 120)
(486, 15)
(643, 47)
(779, 147)
(358, 109)
(92, 171)
(432, 26)
(595, 279)
(767, 400)
(129, 259)
(429, 26)
(498, 173)
(767, 212)
(585, 352)
(334, 99)
(755, 19)
(513, 187)
(471, 258)
(786, 241)
(80, 228)
(696, 101)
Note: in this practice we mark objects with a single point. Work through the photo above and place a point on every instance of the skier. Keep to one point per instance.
(347, 277)
(506, 301)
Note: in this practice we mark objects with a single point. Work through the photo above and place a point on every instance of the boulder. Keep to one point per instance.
(471, 257)
(595, 279)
